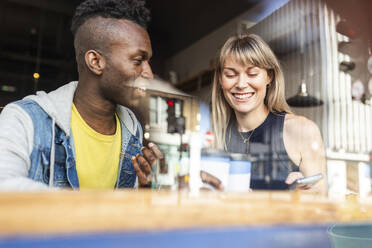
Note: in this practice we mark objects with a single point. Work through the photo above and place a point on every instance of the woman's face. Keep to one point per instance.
(244, 86)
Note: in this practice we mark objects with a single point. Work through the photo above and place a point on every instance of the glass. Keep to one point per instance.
(350, 236)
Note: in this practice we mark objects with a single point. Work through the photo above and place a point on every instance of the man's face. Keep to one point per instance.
(127, 64)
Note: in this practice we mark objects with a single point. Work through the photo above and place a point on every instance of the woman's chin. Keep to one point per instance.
(243, 110)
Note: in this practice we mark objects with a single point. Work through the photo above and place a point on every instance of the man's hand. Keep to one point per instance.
(211, 180)
(143, 164)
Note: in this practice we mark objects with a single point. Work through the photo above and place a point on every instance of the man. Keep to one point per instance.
(82, 135)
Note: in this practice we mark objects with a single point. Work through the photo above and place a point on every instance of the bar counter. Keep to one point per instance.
(145, 213)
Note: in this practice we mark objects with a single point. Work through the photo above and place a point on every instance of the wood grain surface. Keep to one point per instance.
(87, 211)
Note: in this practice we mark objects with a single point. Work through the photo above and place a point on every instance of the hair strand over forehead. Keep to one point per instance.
(247, 50)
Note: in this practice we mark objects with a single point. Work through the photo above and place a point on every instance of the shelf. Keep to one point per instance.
(199, 80)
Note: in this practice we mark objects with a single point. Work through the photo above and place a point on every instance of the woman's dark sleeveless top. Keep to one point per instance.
(270, 161)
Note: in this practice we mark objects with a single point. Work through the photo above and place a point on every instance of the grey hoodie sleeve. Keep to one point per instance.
(16, 139)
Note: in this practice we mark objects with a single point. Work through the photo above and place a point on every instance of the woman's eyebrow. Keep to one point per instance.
(251, 67)
(229, 68)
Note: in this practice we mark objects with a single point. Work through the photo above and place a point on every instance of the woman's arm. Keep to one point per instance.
(305, 147)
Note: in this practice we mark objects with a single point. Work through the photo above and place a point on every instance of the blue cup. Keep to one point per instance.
(239, 173)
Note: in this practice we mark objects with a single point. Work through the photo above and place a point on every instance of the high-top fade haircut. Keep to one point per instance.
(132, 10)
(94, 24)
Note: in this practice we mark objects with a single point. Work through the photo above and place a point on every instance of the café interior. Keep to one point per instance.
(325, 50)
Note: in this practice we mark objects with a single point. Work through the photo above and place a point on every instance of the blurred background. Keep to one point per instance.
(324, 48)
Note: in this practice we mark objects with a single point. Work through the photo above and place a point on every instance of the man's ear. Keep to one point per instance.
(95, 62)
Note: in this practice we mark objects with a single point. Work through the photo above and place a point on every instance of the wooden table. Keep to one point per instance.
(130, 212)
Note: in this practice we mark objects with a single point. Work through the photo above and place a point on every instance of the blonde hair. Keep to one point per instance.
(246, 49)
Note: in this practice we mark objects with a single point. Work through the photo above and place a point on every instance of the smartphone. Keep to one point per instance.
(308, 181)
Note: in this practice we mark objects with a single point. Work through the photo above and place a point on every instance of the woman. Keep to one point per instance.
(250, 115)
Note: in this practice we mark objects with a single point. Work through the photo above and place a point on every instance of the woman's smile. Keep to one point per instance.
(243, 97)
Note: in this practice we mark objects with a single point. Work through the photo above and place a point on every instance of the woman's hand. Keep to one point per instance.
(293, 176)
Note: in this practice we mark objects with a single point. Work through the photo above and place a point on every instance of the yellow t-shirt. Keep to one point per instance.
(97, 155)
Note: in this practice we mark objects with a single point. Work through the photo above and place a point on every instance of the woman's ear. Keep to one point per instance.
(270, 77)
(95, 62)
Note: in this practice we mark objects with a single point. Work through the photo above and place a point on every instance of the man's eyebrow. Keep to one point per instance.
(144, 54)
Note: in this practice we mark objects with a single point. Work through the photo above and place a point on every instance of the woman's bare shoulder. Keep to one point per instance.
(297, 124)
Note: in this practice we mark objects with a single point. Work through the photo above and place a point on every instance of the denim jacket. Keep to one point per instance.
(52, 154)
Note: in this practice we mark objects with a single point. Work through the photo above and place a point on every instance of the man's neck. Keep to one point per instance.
(97, 112)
